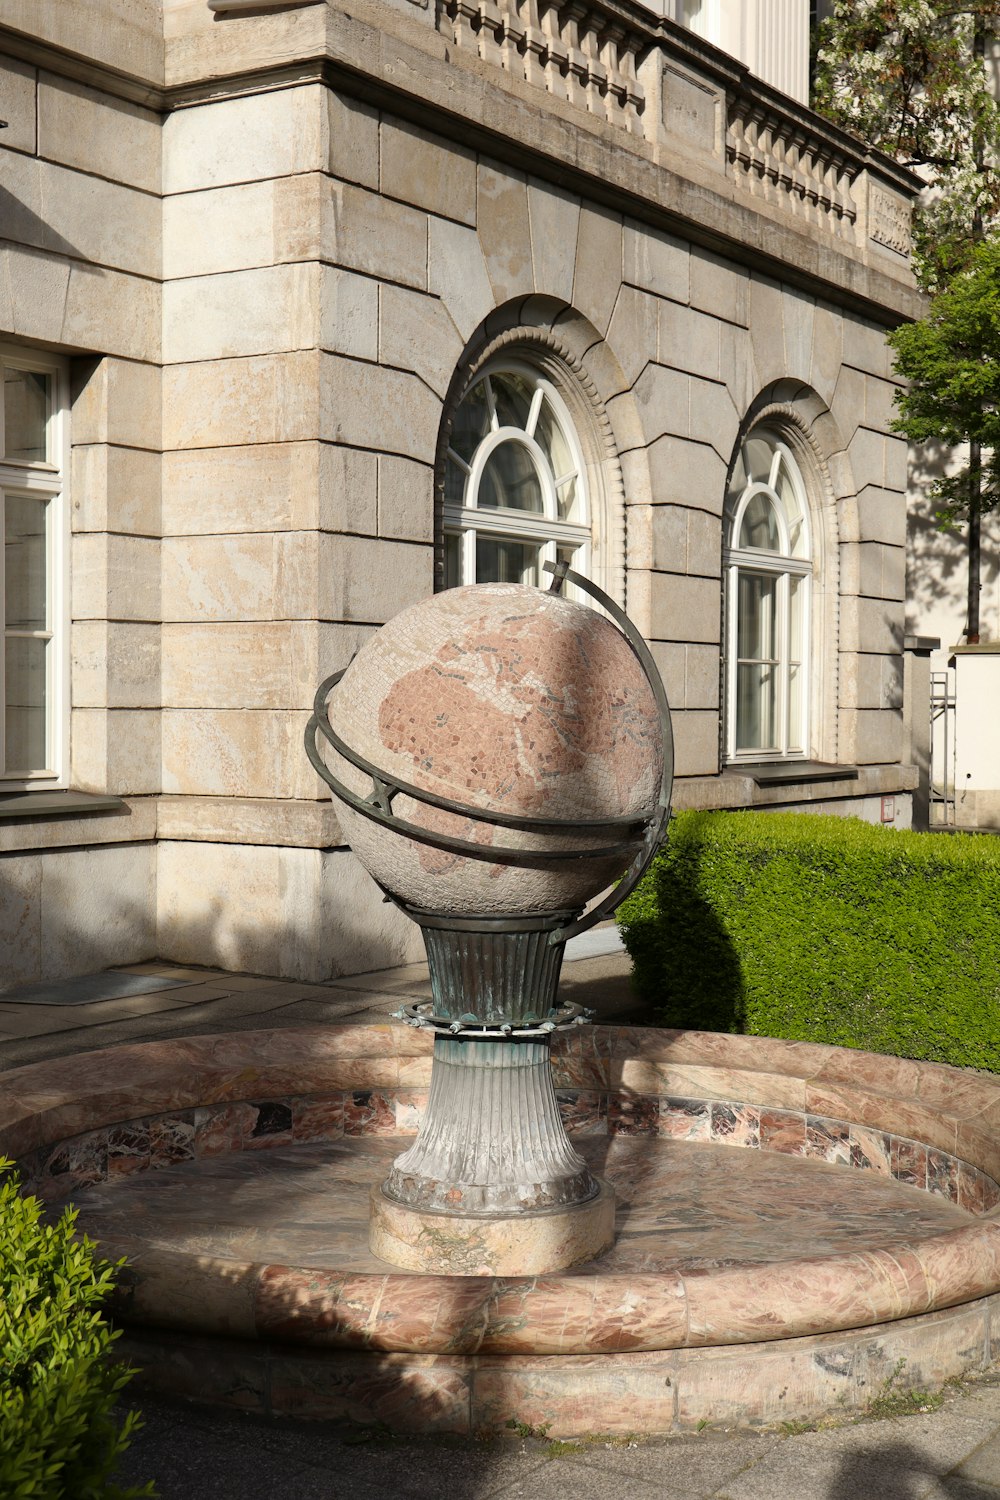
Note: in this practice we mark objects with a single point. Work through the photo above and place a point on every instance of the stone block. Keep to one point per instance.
(736, 361)
(456, 272)
(656, 262)
(696, 743)
(365, 232)
(115, 664)
(262, 665)
(798, 312)
(345, 497)
(20, 918)
(80, 126)
(686, 541)
(115, 577)
(97, 908)
(260, 135)
(117, 401)
(427, 171)
(248, 820)
(235, 753)
(866, 451)
(660, 398)
(670, 658)
(881, 515)
(713, 417)
(239, 313)
(849, 401)
(685, 609)
(374, 407)
(719, 288)
(860, 680)
(554, 217)
(897, 455)
(212, 490)
(116, 751)
(870, 625)
(632, 333)
(865, 346)
(687, 473)
(598, 271)
(875, 734)
(272, 398)
(405, 500)
(827, 351)
(505, 230)
(17, 89)
(416, 333)
(702, 676)
(348, 314)
(103, 223)
(219, 578)
(352, 140)
(104, 309)
(767, 329)
(689, 340)
(368, 580)
(116, 489)
(223, 229)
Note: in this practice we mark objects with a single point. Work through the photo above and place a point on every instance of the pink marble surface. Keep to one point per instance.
(98, 1123)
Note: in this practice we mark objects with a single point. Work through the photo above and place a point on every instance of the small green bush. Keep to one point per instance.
(823, 929)
(58, 1436)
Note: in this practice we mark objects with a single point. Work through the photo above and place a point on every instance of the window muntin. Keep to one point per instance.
(32, 603)
(515, 492)
(768, 571)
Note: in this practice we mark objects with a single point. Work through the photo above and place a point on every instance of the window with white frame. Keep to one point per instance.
(515, 485)
(768, 569)
(32, 583)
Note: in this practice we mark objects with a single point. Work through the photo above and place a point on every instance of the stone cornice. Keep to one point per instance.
(406, 66)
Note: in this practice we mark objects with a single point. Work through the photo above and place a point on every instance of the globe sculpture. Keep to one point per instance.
(501, 755)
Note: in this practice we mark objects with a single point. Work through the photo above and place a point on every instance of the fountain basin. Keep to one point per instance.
(753, 1278)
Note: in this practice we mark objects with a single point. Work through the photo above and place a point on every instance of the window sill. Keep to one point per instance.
(792, 772)
(48, 804)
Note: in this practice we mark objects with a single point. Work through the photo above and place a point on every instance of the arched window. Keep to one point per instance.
(768, 566)
(515, 484)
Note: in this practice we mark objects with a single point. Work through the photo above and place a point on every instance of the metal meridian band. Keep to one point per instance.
(643, 833)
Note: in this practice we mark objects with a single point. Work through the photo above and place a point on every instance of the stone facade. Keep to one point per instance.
(275, 248)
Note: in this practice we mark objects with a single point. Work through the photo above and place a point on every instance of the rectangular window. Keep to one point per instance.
(33, 667)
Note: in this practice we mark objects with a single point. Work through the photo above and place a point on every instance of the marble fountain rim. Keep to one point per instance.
(947, 1109)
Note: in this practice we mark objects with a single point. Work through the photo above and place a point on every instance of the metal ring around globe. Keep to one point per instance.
(421, 1014)
(646, 826)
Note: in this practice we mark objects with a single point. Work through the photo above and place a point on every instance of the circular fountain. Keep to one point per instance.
(413, 1224)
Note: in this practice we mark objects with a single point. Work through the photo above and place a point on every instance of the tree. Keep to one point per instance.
(951, 359)
(910, 77)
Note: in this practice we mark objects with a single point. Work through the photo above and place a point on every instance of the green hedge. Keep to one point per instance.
(59, 1439)
(823, 929)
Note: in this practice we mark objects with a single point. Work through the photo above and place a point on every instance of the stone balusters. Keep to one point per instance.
(785, 164)
(571, 50)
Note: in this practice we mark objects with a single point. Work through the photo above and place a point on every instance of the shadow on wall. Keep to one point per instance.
(301, 914)
(937, 561)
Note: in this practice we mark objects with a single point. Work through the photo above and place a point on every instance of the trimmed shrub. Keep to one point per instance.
(823, 929)
(58, 1436)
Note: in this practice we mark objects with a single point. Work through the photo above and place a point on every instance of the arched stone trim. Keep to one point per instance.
(541, 346)
(803, 421)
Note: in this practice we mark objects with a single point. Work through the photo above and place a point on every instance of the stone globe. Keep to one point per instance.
(508, 700)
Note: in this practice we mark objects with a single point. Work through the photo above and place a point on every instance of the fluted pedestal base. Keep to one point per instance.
(522, 1244)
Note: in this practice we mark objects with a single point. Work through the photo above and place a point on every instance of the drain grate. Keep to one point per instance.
(88, 989)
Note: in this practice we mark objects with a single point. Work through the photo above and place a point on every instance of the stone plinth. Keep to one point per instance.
(525, 1244)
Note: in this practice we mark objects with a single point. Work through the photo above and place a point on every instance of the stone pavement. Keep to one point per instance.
(948, 1453)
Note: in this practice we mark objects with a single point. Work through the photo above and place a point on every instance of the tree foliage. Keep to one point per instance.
(951, 359)
(909, 77)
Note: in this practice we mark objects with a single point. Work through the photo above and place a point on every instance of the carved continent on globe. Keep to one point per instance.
(507, 699)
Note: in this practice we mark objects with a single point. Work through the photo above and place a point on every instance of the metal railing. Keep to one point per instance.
(942, 747)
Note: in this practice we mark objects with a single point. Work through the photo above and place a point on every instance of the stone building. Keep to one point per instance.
(306, 310)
